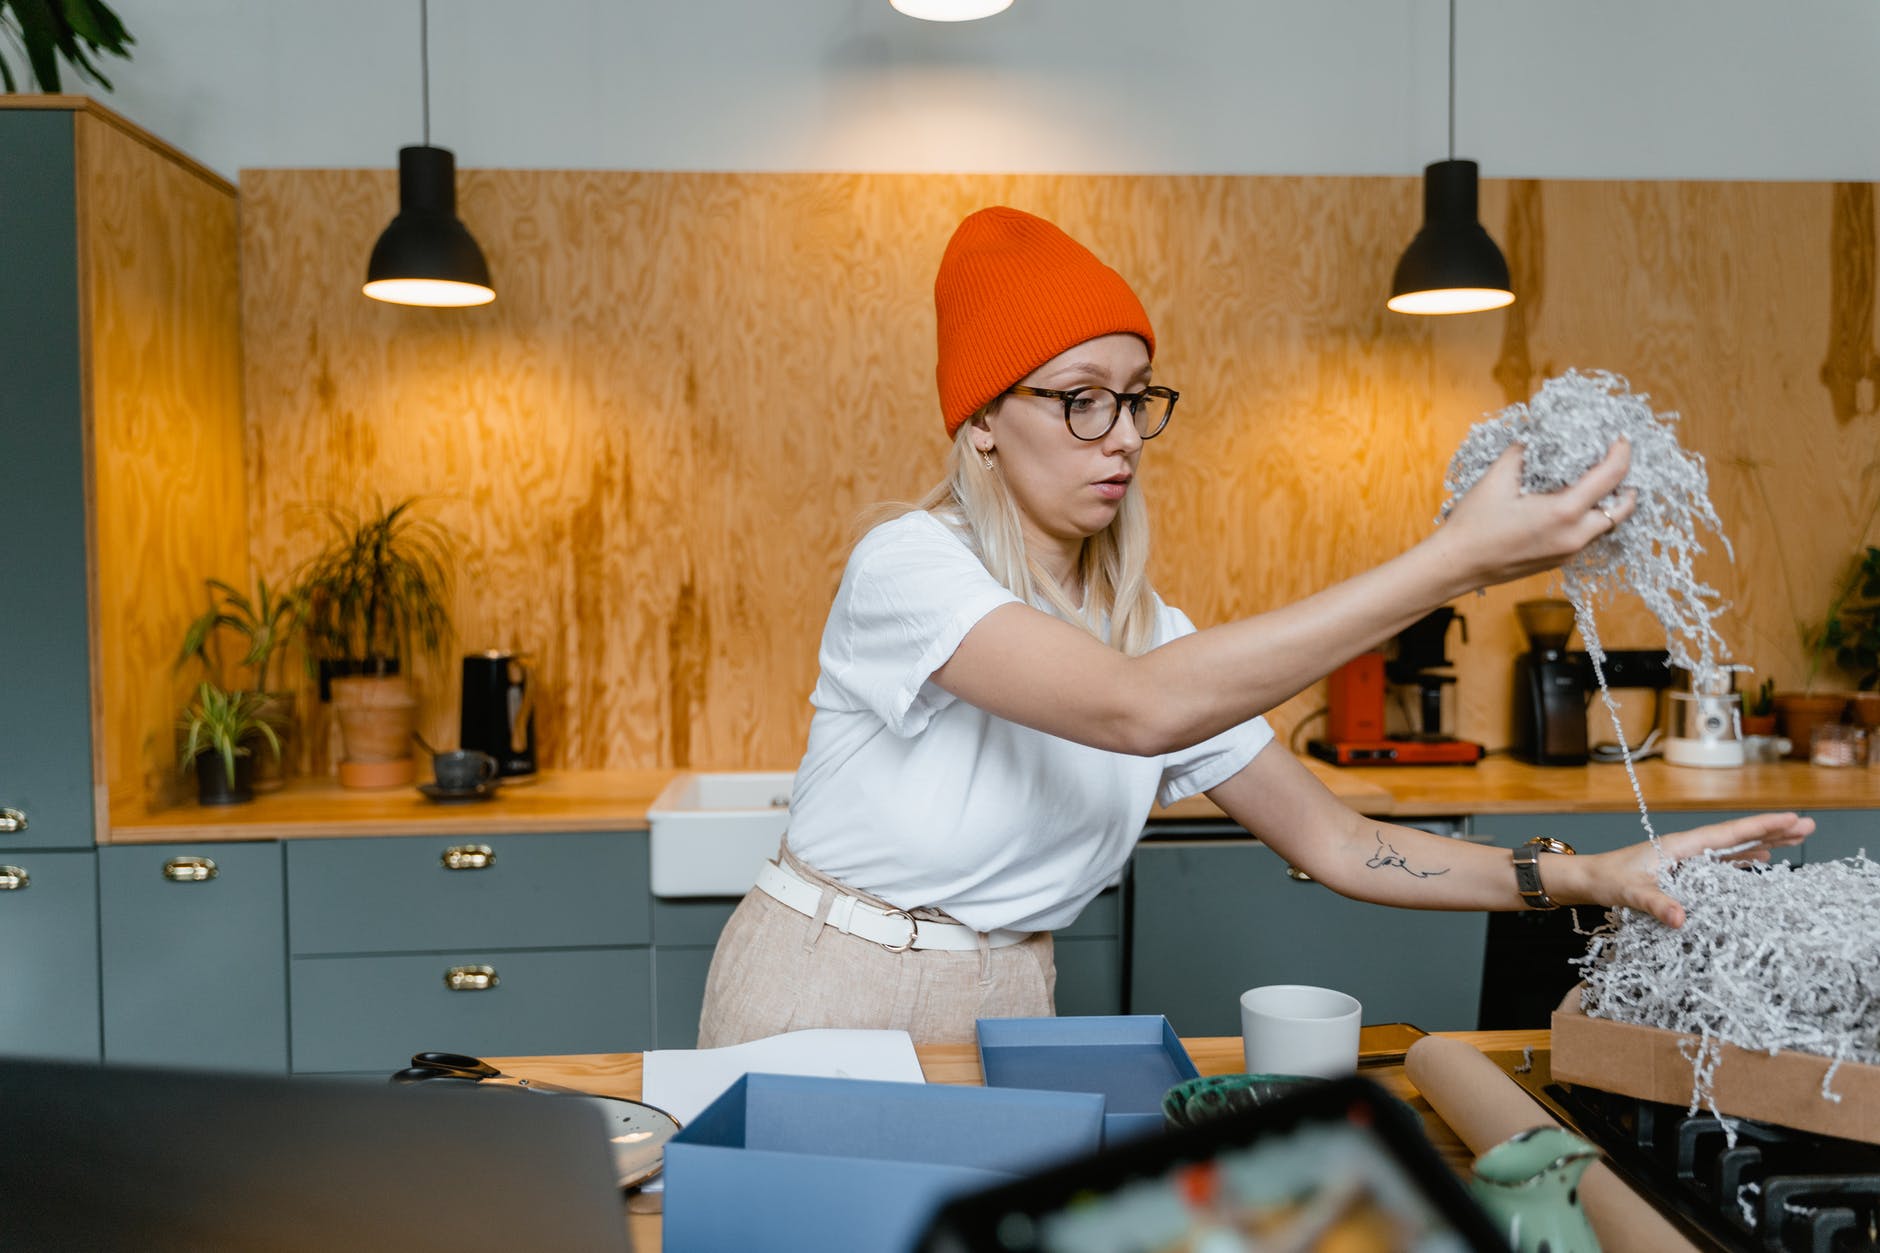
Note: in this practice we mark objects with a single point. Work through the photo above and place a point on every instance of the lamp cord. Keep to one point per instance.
(424, 66)
(1452, 79)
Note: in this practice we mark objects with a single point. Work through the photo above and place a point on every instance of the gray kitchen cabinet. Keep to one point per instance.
(509, 944)
(1089, 956)
(369, 1014)
(1842, 833)
(49, 939)
(193, 946)
(45, 706)
(1211, 918)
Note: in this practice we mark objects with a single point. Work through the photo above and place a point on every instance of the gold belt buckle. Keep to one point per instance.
(913, 931)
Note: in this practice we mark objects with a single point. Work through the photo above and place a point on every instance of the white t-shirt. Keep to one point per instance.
(924, 800)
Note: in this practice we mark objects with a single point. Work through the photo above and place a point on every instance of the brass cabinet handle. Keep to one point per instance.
(1297, 875)
(471, 978)
(469, 857)
(13, 878)
(11, 820)
(189, 869)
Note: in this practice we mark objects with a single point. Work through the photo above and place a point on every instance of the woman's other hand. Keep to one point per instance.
(1496, 532)
(1629, 876)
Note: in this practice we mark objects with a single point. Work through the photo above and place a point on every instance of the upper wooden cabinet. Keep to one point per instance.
(121, 450)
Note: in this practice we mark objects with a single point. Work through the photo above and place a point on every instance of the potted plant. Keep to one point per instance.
(219, 730)
(1759, 710)
(49, 33)
(376, 596)
(269, 621)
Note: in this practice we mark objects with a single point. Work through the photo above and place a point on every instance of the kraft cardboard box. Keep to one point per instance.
(1650, 1062)
(784, 1162)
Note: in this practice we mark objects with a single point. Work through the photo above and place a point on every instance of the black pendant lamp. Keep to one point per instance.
(1452, 266)
(426, 256)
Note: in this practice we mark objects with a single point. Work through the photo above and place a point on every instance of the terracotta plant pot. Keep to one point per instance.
(270, 772)
(1799, 713)
(1759, 724)
(1863, 708)
(376, 718)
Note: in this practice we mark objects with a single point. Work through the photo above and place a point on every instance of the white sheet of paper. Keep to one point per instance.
(684, 1081)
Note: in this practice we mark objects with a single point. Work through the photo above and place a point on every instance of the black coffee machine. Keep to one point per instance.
(1552, 685)
(499, 711)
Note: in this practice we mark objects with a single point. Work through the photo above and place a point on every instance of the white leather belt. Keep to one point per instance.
(894, 929)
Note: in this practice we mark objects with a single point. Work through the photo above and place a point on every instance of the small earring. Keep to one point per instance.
(985, 455)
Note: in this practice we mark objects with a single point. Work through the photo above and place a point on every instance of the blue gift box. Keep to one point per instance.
(788, 1162)
(1130, 1059)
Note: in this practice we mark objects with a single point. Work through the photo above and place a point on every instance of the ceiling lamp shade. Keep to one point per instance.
(950, 10)
(427, 256)
(1452, 266)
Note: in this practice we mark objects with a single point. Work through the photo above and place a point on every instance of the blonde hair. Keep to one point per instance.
(1114, 563)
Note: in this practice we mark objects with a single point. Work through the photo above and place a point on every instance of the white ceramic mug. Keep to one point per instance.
(1294, 1029)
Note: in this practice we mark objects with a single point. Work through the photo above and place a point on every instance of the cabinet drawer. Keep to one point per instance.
(395, 894)
(195, 969)
(49, 956)
(373, 1013)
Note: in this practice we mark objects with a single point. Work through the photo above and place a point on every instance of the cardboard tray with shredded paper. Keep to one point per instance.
(1648, 1062)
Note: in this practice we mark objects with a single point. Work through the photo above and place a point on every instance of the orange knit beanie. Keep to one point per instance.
(1013, 292)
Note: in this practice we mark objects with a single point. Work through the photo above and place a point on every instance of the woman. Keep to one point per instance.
(1003, 697)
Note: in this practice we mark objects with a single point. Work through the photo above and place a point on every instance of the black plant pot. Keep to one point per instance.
(212, 785)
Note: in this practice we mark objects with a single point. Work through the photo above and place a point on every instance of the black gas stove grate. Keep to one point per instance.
(1775, 1191)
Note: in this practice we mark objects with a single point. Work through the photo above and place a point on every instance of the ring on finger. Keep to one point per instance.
(1609, 518)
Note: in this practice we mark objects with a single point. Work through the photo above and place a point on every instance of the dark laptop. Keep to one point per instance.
(118, 1157)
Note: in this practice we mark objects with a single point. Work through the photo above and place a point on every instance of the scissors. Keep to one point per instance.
(636, 1132)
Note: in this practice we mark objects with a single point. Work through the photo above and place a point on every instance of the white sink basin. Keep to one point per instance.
(711, 832)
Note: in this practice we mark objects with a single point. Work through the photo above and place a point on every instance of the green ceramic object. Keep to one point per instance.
(1196, 1101)
(1530, 1186)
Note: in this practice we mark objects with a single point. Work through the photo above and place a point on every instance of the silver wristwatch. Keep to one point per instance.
(1527, 870)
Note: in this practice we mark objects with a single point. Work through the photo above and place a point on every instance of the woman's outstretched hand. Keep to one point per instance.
(1629, 876)
(1496, 532)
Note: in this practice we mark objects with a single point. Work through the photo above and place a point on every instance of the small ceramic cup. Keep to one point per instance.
(1294, 1029)
(463, 770)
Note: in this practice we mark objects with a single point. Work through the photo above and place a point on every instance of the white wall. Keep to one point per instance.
(1751, 89)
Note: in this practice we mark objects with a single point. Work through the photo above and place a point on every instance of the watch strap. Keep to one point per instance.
(1527, 870)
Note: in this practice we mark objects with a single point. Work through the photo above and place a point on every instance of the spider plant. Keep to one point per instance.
(225, 724)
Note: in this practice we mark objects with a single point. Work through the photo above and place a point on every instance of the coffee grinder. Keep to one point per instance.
(1552, 686)
(1355, 719)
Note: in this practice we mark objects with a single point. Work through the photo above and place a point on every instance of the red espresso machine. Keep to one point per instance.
(1358, 691)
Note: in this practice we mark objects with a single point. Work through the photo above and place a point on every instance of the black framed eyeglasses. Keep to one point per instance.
(1090, 412)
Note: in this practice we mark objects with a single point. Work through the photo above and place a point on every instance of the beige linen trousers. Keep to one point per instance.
(776, 970)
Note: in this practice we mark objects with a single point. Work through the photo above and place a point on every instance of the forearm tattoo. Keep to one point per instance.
(1387, 857)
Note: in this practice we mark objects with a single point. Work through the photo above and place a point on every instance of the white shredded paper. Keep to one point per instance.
(1770, 957)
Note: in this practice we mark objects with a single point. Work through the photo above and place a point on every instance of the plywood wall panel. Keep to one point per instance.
(163, 343)
(656, 444)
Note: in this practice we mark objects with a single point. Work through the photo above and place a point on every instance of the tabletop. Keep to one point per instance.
(618, 1074)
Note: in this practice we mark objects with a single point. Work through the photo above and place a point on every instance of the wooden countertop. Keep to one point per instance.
(617, 800)
(561, 800)
(618, 1074)
(1502, 785)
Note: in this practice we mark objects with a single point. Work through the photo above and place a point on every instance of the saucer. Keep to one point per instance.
(438, 792)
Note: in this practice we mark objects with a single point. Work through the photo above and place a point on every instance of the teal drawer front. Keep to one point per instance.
(1842, 833)
(195, 970)
(49, 957)
(1089, 975)
(696, 921)
(679, 995)
(373, 1013)
(395, 894)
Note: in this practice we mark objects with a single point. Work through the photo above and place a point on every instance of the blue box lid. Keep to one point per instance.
(793, 1162)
